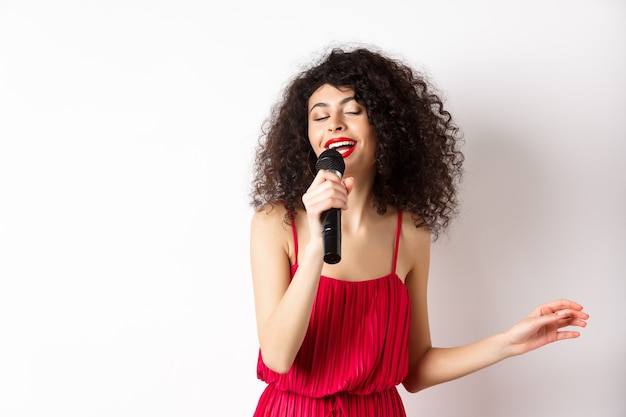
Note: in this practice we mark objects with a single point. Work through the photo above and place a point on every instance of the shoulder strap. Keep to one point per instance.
(395, 251)
(295, 237)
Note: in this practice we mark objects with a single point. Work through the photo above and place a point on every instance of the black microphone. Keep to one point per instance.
(331, 160)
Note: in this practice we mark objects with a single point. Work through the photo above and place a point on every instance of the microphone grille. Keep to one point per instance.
(331, 160)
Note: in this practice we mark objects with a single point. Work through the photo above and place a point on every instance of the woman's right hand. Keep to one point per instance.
(325, 192)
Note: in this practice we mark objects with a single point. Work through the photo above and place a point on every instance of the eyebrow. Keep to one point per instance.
(321, 104)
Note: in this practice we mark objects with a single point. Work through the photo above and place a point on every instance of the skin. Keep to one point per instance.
(283, 305)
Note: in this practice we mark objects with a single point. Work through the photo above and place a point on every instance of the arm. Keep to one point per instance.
(430, 366)
(283, 304)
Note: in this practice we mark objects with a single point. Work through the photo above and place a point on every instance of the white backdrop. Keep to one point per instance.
(126, 137)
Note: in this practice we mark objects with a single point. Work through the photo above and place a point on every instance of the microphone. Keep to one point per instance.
(331, 160)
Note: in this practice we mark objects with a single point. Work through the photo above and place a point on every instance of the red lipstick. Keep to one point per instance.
(345, 146)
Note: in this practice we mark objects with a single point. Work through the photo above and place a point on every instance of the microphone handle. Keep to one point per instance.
(331, 235)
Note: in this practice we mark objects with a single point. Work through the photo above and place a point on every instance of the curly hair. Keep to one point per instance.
(418, 160)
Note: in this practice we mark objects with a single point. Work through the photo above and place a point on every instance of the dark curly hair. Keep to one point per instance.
(418, 161)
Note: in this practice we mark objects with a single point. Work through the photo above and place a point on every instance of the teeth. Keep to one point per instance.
(340, 144)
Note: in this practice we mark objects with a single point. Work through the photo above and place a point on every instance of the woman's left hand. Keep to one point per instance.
(543, 325)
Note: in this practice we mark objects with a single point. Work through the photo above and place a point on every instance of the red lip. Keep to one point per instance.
(335, 140)
(347, 151)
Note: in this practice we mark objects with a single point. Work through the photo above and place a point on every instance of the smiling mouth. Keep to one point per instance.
(344, 146)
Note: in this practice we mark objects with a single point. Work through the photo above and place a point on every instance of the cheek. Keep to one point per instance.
(315, 136)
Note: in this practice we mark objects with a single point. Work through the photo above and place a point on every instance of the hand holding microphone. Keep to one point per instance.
(331, 160)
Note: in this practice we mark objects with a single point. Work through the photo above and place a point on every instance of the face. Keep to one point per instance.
(337, 121)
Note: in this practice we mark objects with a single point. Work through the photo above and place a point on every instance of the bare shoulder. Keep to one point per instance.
(269, 229)
(270, 215)
(414, 256)
(413, 236)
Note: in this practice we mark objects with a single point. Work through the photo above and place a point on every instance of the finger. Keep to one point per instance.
(567, 335)
(578, 322)
(349, 183)
(322, 176)
(574, 320)
(548, 320)
(560, 319)
(325, 194)
(556, 305)
(323, 200)
(562, 304)
(572, 313)
(325, 175)
(327, 184)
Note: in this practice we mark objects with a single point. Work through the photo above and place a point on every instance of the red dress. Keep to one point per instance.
(353, 356)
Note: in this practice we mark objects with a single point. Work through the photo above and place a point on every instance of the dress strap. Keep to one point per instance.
(395, 251)
(295, 237)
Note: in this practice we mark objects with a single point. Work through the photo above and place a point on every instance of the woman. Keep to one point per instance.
(337, 338)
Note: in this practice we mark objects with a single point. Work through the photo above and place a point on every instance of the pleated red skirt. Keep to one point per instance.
(274, 402)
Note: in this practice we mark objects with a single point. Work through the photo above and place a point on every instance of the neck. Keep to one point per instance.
(360, 207)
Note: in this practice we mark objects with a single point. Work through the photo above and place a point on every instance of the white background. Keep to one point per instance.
(127, 130)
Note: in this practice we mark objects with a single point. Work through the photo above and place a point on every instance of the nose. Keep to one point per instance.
(336, 124)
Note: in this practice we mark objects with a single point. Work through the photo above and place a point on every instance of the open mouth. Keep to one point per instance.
(344, 146)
